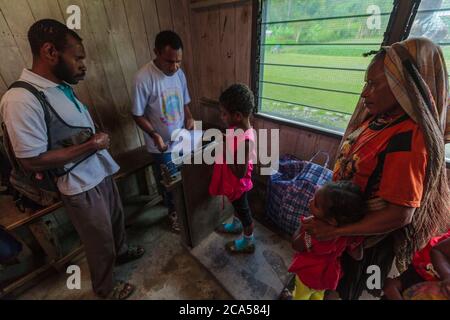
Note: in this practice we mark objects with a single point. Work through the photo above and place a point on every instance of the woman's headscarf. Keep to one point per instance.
(417, 76)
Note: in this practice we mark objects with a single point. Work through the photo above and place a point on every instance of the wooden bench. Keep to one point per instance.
(11, 218)
(133, 161)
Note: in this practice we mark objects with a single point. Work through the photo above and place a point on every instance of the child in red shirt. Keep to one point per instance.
(432, 263)
(317, 263)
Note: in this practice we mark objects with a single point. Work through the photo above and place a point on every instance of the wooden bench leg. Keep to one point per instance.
(46, 238)
(150, 181)
(59, 265)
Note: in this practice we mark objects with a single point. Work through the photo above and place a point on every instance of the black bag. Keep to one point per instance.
(40, 187)
(9, 247)
(5, 167)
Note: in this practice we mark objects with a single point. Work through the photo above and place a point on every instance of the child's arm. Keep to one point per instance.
(302, 243)
(357, 253)
(298, 244)
(298, 239)
(240, 170)
(296, 233)
(440, 257)
(355, 248)
(393, 289)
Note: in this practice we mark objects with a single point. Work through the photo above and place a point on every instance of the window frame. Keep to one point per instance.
(258, 70)
(257, 55)
(398, 29)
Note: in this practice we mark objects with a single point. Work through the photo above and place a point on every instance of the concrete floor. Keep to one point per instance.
(167, 270)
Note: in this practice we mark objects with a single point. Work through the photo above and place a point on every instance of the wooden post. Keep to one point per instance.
(46, 238)
(401, 20)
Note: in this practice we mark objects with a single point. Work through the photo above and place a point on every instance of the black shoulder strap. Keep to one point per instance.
(46, 106)
(41, 98)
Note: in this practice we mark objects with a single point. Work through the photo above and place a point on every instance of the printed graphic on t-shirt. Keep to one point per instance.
(171, 106)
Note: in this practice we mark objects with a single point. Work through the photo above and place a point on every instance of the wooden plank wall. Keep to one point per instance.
(119, 38)
(222, 38)
(301, 143)
(222, 56)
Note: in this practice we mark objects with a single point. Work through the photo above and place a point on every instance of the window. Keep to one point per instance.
(433, 21)
(311, 64)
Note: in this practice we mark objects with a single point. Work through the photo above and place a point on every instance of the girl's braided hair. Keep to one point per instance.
(238, 98)
(376, 53)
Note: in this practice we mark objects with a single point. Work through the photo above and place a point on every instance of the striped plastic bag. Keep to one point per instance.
(291, 189)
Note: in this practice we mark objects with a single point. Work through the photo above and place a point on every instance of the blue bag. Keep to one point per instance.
(9, 246)
(291, 189)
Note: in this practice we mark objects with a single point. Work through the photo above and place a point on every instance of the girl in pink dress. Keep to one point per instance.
(232, 176)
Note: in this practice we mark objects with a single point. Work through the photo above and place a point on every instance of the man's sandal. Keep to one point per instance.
(231, 248)
(174, 223)
(133, 253)
(121, 291)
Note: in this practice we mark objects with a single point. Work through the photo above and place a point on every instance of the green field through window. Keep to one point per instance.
(312, 65)
(312, 69)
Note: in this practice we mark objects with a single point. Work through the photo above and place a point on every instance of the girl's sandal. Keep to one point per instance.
(121, 291)
(231, 248)
(286, 294)
(221, 229)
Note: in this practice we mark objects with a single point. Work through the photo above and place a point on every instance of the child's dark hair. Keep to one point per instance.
(238, 98)
(345, 202)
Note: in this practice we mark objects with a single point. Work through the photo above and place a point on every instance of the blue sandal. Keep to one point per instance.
(222, 229)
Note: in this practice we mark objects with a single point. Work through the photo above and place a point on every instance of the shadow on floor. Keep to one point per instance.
(166, 272)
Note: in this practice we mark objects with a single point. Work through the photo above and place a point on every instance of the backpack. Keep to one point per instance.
(10, 247)
(40, 187)
(5, 167)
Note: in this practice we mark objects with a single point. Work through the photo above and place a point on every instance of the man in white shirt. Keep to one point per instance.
(89, 193)
(161, 106)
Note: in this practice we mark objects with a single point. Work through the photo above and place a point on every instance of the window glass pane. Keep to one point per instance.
(312, 68)
(310, 9)
(433, 21)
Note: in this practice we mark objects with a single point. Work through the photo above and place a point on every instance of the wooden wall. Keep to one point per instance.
(303, 144)
(221, 37)
(119, 39)
(222, 56)
(119, 36)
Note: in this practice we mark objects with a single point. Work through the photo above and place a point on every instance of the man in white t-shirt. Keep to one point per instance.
(88, 192)
(161, 106)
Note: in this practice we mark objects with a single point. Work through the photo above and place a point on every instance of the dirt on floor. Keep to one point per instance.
(166, 272)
